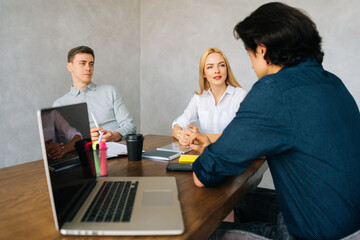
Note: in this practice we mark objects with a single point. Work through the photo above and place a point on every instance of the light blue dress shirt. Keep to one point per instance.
(105, 103)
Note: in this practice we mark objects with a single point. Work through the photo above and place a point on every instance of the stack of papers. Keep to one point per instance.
(115, 149)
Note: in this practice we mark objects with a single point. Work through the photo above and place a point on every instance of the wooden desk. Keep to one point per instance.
(25, 211)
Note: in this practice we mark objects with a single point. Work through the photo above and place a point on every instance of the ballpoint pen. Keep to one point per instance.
(96, 124)
(100, 137)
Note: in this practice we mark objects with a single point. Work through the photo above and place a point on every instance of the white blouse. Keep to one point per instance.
(212, 118)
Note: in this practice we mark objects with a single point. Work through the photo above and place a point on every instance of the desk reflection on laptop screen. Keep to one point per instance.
(60, 125)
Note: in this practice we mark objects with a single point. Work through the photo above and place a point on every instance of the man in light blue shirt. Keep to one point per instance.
(103, 101)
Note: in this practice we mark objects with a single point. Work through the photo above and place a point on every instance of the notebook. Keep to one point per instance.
(161, 155)
(175, 147)
(85, 205)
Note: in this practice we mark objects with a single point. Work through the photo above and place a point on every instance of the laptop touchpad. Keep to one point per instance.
(157, 198)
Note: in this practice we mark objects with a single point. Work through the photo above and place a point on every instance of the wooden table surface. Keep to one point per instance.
(25, 210)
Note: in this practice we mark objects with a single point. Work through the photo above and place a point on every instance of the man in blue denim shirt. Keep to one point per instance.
(306, 123)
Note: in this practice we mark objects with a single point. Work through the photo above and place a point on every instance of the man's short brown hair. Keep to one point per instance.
(80, 49)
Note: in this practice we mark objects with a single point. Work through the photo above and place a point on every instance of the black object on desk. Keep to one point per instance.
(184, 167)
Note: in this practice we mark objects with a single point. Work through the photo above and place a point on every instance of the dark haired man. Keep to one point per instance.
(103, 101)
(306, 123)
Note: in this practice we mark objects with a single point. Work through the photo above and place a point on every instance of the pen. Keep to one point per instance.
(97, 125)
(101, 135)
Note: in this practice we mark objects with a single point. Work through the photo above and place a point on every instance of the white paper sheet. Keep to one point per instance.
(115, 149)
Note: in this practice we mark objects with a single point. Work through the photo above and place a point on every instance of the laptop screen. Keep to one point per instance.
(61, 129)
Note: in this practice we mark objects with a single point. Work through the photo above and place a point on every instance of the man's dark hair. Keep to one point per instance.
(288, 34)
(80, 49)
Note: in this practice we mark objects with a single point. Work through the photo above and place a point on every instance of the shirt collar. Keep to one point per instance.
(306, 63)
(229, 89)
(90, 87)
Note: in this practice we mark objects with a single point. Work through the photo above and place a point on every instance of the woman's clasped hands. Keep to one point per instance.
(184, 134)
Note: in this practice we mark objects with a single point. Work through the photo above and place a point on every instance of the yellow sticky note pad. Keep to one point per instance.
(187, 158)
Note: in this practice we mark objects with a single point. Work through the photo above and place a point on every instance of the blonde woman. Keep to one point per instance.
(217, 102)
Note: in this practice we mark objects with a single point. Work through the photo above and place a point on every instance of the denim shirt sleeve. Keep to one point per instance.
(259, 129)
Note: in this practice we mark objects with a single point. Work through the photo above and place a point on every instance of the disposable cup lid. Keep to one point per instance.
(134, 137)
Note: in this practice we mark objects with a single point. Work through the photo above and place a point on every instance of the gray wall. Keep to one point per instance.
(175, 33)
(35, 37)
(148, 49)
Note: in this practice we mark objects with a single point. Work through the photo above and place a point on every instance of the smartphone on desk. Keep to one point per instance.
(184, 167)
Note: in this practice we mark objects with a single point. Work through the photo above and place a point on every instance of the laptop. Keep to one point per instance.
(86, 205)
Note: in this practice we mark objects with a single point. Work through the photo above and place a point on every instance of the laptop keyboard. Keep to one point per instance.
(113, 203)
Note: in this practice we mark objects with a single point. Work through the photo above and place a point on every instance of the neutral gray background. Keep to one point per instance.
(35, 37)
(148, 49)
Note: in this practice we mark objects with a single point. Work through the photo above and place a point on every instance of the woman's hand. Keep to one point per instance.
(193, 128)
(183, 134)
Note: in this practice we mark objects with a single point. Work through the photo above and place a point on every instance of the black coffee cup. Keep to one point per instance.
(134, 145)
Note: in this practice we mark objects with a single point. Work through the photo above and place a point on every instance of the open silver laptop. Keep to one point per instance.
(85, 205)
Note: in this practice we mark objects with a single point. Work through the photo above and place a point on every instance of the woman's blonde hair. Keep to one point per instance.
(204, 83)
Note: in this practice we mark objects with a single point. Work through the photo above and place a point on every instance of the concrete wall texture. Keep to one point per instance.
(149, 49)
(35, 39)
